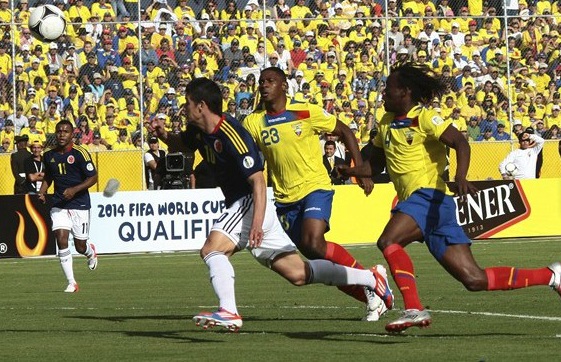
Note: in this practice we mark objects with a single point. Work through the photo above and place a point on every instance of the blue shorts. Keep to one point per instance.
(316, 205)
(435, 214)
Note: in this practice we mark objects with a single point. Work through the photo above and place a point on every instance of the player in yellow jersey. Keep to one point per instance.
(412, 140)
(287, 132)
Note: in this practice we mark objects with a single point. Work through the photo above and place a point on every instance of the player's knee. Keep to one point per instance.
(297, 278)
(475, 282)
(383, 242)
(81, 247)
(312, 246)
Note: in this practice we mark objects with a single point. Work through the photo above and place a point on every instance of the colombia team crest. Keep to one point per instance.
(70, 159)
(218, 146)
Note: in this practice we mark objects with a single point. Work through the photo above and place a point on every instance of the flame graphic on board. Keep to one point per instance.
(21, 244)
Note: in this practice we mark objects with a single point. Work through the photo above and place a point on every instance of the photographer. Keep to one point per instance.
(154, 163)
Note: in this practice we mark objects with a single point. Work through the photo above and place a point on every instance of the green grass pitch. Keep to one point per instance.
(139, 308)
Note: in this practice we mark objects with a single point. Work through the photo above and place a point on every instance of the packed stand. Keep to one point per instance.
(501, 77)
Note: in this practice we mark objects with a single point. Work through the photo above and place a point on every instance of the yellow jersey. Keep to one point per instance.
(290, 143)
(415, 157)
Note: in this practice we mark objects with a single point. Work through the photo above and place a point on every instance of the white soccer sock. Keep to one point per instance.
(89, 251)
(327, 272)
(65, 257)
(222, 278)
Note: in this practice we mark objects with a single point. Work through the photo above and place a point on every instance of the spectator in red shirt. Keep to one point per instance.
(297, 54)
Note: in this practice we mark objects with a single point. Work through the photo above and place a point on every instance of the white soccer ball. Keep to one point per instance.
(511, 169)
(47, 22)
(111, 187)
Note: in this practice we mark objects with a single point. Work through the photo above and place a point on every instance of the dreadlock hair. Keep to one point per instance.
(422, 83)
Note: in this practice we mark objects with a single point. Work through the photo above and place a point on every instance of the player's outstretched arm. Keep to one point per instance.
(452, 138)
(257, 182)
(173, 141)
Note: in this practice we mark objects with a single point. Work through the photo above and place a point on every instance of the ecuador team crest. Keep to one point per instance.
(297, 127)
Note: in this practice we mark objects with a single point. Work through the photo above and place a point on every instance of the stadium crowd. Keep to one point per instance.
(503, 73)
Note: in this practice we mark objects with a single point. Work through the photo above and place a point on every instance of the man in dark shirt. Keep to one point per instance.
(71, 169)
(34, 168)
(17, 162)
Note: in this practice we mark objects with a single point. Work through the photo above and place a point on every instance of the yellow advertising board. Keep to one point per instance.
(360, 219)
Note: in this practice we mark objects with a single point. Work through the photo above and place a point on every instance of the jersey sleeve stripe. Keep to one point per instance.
(84, 153)
(234, 136)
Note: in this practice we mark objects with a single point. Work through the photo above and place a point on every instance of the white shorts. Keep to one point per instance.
(235, 223)
(77, 221)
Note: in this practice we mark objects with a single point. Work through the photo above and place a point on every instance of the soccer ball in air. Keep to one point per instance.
(511, 169)
(47, 23)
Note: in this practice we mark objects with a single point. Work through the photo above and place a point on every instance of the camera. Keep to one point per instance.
(176, 175)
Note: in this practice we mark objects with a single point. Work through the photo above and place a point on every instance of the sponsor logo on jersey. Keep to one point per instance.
(248, 162)
(218, 147)
(70, 160)
(277, 119)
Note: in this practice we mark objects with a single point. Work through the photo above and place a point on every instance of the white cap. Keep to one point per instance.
(338, 6)
(403, 51)
(359, 22)
(543, 65)
(247, 7)
(331, 54)
(309, 33)
(161, 116)
(516, 122)
(171, 90)
(25, 47)
(475, 52)
(555, 108)
(455, 24)
(376, 24)
(423, 38)
(53, 46)
(457, 51)
(299, 73)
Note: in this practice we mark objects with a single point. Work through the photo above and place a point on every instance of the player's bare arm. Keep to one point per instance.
(454, 139)
(375, 166)
(346, 135)
(257, 182)
(69, 193)
(44, 187)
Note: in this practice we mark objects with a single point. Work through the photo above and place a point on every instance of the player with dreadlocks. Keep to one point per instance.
(412, 140)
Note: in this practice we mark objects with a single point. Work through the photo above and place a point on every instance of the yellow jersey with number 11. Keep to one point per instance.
(415, 157)
(290, 143)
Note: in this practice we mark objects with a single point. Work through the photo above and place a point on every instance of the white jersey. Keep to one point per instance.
(525, 160)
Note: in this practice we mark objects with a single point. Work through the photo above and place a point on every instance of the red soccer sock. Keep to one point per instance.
(339, 255)
(403, 274)
(506, 278)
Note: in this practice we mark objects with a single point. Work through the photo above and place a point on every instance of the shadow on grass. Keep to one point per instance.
(251, 327)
